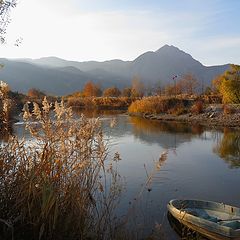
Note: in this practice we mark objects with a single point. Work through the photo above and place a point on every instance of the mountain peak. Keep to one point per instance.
(168, 48)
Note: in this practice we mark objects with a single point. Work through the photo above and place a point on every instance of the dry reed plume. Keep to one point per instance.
(5, 106)
(61, 184)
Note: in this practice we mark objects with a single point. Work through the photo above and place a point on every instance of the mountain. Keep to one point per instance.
(21, 76)
(58, 76)
(168, 61)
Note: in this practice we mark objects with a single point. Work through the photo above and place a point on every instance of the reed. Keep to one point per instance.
(5, 107)
(60, 185)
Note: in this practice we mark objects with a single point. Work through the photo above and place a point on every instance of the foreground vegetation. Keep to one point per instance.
(61, 185)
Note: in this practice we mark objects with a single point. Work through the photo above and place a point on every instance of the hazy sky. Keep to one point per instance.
(123, 29)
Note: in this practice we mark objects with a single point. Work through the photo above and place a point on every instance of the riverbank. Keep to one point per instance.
(213, 115)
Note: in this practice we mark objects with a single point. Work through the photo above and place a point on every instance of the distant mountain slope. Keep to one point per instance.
(59, 76)
(168, 61)
(151, 67)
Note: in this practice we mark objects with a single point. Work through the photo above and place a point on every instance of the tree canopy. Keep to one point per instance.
(112, 92)
(91, 90)
(228, 85)
(137, 87)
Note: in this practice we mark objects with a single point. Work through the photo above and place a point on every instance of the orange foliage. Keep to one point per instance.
(112, 92)
(197, 107)
(91, 90)
(154, 105)
(100, 102)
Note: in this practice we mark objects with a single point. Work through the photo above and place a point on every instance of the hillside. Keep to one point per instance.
(58, 76)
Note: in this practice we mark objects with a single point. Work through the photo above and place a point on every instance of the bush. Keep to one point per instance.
(228, 109)
(100, 102)
(154, 105)
(197, 107)
(179, 109)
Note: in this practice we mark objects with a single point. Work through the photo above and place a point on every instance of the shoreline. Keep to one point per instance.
(211, 119)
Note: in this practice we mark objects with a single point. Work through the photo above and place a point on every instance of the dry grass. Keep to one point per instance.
(60, 185)
(100, 102)
(197, 107)
(5, 107)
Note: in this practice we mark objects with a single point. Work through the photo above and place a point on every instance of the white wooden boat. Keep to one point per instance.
(213, 220)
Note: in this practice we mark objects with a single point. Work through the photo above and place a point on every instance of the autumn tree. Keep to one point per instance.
(216, 83)
(208, 91)
(91, 90)
(158, 88)
(137, 87)
(126, 92)
(112, 92)
(189, 84)
(35, 93)
(228, 85)
(170, 89)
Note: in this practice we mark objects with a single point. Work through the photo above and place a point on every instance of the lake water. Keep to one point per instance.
(199, 163)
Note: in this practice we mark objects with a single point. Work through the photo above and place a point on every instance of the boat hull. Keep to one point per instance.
(208, 228)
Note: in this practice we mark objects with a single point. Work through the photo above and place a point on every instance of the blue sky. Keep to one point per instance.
(123, 29)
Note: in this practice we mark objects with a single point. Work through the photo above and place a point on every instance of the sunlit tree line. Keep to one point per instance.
(228, 85)
(91, 89)
(187, 84)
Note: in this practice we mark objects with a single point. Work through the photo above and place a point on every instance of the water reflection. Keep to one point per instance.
(169, 135)
(93, 113)
(183, 231)
(146, 125)
(228, 147)
(196, 171)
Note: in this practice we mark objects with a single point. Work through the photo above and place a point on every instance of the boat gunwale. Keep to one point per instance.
(199, 222)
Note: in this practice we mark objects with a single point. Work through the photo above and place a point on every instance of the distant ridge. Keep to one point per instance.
(59, 77)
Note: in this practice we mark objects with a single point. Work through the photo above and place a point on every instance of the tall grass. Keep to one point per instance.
(61, 184)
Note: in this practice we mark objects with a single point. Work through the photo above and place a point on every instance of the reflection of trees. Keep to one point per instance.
(93, 113)
(228, 147)
(167, 134)
(141, 124)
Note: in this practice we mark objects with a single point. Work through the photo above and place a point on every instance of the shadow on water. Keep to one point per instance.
(228, 147)
(183, 231)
